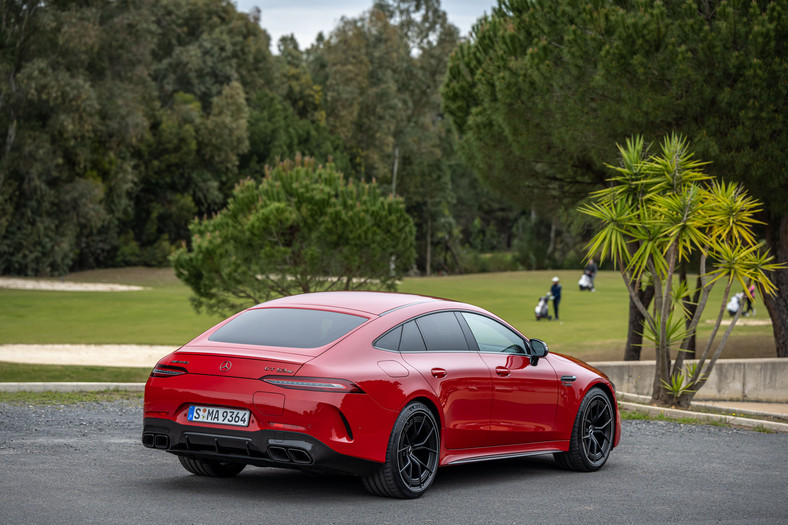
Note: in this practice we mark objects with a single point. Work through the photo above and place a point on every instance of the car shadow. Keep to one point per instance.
(282, 484)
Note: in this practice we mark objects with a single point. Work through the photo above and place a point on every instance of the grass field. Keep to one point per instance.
(592, 326)
(24, 373)
(160, 314)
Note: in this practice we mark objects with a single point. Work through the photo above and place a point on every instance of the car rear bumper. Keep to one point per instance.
(263, 448)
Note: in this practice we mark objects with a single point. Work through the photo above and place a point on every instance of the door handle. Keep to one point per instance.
(438, 373)
(502, 371)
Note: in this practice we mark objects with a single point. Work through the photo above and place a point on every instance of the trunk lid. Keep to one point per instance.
(236, 361)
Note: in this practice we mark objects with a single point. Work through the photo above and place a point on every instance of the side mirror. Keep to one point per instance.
(538, 349)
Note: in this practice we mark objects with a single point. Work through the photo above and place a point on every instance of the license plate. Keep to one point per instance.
(219, 415)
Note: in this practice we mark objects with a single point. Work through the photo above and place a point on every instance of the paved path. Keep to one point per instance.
(771, 408)
(92, 355)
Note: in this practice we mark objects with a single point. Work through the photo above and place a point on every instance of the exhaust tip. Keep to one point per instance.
(299, 456)
(161, 441)
(148, 440)
(278, 454)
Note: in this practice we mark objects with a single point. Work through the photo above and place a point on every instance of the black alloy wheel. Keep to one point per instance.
(412, 456)
(598, 430)
(592, 434)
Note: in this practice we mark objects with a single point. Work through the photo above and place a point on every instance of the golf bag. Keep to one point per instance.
(585, 282)
(735, 303)
(541, 309)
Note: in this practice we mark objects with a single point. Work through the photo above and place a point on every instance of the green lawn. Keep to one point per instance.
(161, 314)
(23, 373)
(593, 325)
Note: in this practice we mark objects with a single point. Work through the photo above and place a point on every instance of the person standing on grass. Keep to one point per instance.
(555, 291)
(591, 269)
(748, 300)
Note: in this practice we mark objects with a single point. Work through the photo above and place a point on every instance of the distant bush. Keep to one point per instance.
(475, 262)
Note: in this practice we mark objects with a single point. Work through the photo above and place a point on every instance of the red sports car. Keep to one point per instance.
(385, 386)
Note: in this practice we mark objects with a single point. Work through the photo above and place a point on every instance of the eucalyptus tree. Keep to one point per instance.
(658, 211)
(74, 108)
(207, 61)
(119, 120)
(380, 75)
(290, 119)
(303, 228)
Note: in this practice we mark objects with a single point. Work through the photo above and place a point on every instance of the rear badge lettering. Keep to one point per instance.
(280, 370)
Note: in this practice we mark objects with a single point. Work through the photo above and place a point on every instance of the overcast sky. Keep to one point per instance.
(306, 18)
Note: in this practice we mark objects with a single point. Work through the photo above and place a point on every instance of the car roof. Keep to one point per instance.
(375, 303)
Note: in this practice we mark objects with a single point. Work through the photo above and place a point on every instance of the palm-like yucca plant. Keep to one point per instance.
(658, 211)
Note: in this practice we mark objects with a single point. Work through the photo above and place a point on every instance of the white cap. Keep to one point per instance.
(555, 279)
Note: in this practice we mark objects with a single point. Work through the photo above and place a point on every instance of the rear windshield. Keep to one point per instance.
(286, 327)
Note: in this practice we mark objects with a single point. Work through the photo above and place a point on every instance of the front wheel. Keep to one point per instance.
(213, 469)
(412, 456)
(592, 434)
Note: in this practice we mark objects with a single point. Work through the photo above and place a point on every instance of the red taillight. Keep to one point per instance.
(317, 384)
(167, 371)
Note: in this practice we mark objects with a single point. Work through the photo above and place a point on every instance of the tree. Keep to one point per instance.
(380, 74)
(119, 121)
(304, 228)
(206, 60)
(73, 109)
(276, 132)
(544, 88)
(658, 211)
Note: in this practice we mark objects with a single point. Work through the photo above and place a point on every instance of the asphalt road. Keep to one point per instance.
(85, 464)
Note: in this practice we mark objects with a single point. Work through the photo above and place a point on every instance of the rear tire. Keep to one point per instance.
(592, 434)
(212, 469)
(412, 456)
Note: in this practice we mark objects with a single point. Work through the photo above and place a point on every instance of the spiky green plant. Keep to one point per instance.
(659, 211)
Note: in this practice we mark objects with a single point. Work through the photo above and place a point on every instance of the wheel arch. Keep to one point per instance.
(611, 396)
(430, 404)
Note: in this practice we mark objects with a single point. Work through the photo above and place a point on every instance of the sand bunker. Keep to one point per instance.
(744, 321)
(63, 286)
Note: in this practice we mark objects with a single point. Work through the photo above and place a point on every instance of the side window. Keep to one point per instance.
(442, 332)
(411, 339)
(492, 336)
(389, 340)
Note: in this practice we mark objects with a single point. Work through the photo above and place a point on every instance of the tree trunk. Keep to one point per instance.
(690, 307)
(394, 171)
(777, 305)
(551, 246)
(635, 330)
(685, 400)
(428, 269)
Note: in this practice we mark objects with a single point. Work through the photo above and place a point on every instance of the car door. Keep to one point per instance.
(524, 396)
(435, 345)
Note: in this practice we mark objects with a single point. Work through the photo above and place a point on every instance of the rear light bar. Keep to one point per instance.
(315, 384)
(167, 371)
